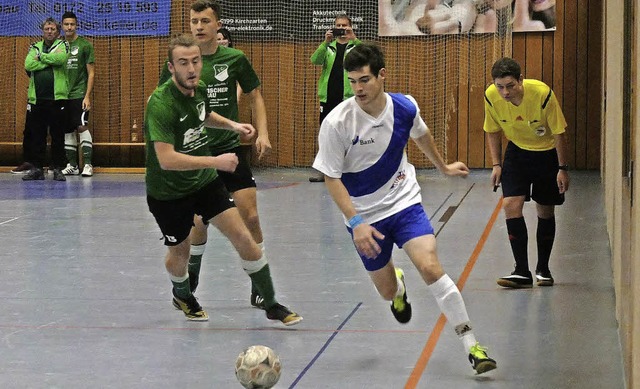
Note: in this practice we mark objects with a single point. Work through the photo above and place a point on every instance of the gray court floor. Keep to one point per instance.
(87, 302)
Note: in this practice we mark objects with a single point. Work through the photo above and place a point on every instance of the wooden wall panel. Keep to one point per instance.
(568, 59)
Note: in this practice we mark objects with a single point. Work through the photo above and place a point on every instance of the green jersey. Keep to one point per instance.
(171, 117)
(80, 54)
(222, 72)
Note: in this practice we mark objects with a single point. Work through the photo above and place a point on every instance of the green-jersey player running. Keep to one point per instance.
(224, 69)
(182, 180)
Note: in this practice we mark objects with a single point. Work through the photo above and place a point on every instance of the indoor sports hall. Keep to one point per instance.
(88, 302)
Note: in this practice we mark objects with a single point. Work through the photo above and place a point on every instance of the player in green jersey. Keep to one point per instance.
(80, 72)
(224, 70)
(182, 180)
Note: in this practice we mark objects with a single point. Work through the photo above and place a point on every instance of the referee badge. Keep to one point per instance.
(541, 131)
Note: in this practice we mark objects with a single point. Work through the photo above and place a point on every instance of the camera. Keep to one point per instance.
(338, 32)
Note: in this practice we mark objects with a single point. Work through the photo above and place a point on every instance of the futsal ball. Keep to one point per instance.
(258, 367)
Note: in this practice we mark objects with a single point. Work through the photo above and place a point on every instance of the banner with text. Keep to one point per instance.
(95, 18)
(295, 19)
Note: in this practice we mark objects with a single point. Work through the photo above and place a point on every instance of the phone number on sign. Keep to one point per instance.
(106, 7)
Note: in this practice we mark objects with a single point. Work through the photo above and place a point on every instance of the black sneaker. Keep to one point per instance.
(257, 300)
(282, 313)
(34, 175)
(58, 175)
(400, 306)
(517, 281)
(191, 308)
(22, 169)
(544, 278)
(479, 359)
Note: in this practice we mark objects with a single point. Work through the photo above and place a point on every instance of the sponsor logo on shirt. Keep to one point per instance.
(355, 140)
(367, 141)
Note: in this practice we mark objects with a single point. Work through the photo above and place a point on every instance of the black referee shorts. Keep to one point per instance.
(532, 174)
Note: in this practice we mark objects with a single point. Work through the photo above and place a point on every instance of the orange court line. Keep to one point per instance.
(427, 351)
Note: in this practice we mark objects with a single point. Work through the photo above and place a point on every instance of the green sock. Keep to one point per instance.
(72, 154)
(264, 285)
(181, 287)
(87, 153)
(195, 262)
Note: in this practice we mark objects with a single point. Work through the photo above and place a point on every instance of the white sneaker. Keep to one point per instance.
(87, 171)
(70, 170)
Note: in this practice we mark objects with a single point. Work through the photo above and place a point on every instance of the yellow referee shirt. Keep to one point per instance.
(530, 125)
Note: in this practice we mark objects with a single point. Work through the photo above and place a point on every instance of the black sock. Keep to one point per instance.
(545, 236)
(517, 230)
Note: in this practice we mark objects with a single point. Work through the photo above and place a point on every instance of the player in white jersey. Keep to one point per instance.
(362, 155)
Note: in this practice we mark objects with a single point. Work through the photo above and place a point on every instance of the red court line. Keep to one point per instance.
(427, 351)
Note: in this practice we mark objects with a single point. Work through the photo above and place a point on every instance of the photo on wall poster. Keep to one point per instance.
(433, 17)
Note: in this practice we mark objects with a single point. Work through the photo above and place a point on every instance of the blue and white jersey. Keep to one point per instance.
(368, 155)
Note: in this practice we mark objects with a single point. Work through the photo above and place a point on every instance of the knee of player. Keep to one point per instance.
(431, 270)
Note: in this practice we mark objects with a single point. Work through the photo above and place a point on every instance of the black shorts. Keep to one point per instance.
(76, 116)
(242, 178)
(532, 174)
(175, 217)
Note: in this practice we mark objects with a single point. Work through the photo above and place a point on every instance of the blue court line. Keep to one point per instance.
(324, 347)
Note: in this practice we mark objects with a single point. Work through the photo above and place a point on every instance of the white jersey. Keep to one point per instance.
(368, 155)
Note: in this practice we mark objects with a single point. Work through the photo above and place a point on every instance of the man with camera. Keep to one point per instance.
(333, 84)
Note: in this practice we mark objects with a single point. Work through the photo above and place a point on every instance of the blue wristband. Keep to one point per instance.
(355, 221)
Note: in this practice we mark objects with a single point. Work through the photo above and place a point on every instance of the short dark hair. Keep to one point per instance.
(50, 20)
(505, 67)
(226, 34)
(362, 55)
(69, 15)
(201, 5)
(344, 16)
(182, 40)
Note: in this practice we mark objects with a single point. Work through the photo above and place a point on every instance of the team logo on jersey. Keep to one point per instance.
(74, 50)
(540, 131)
(201, 112)
(221, 72)
(399, 178)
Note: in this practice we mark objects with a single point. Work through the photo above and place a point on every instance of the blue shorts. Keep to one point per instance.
(400, 228)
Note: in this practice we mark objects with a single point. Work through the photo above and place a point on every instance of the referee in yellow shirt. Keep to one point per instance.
(534, 165)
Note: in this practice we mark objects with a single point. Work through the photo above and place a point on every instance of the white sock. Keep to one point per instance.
(179, 279)
(452, 305)
(400, 291)
(251, 267)
(197, 249)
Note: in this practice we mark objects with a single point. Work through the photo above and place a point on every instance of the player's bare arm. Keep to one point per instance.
(259, 111)
(494, 139)
(86, 102)
(364, 236)
(218, 121)
(170, 159)
(561, 149)
(427, 145)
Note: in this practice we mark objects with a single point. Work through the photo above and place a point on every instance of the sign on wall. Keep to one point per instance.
(95, 18)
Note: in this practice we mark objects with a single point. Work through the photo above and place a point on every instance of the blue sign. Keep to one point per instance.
(95, 17)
